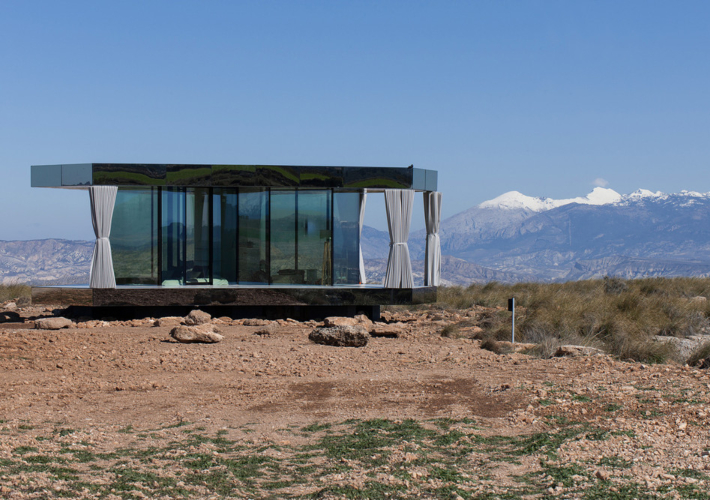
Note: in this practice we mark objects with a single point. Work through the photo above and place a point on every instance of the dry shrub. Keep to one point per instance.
(619, 316)
(491, 344)
(700, 354)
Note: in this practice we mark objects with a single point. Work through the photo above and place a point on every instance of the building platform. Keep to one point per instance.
(298, 302)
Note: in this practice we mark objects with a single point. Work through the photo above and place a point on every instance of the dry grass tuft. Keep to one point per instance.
(14, 291)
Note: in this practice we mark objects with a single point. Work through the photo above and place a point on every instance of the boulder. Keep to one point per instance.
(169, 321)
(197, 317)
(53, 323)
(10, 306)
(340, 336)
(206, 334)
(576, 350)
(332, 321)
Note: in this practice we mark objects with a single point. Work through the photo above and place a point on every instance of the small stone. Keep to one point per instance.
(169, 321)
(197, 317)
(341, 336)
(256, 322)
(52, 323)
(602, 475)
(385, 330)
(265, 332)
(206, 334)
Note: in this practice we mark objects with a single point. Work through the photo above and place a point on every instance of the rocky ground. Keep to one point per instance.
(122, 410)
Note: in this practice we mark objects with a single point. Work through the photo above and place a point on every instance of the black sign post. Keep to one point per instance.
(511, 308)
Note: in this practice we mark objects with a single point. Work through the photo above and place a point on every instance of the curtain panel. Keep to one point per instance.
(102, 200)
(399, 203)
(432, 259)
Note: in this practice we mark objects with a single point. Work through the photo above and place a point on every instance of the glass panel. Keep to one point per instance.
(253, 236)
(346, 238)
(134, 236)
(314, 237)
(173, 236)
(283, 238)
(224, 257)
(197, 241)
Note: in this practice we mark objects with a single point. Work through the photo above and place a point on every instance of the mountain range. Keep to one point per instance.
(602, 234)
(510, 238)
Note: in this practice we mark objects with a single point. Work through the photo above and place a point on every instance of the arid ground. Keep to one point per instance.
(120, 410)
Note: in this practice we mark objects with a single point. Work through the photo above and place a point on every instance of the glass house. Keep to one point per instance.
(198, 230)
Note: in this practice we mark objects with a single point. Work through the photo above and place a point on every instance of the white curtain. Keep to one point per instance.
(102, 200)
(363, 199)
(399, 203)
(432, 259)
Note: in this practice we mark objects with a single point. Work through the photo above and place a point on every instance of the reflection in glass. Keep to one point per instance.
(134, 236)
(173, 236)
(314, 237)
(346, 238)
(224, 227)
(253, 236)
(283, 238)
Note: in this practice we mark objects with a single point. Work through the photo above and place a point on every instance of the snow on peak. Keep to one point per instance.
(516, 200)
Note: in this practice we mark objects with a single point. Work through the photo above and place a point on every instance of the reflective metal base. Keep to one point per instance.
(260, 296)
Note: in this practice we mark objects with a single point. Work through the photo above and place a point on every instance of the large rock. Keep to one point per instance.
(206, 334)
(53, 323)
(197, 317)
(576, 350)
(341, 336)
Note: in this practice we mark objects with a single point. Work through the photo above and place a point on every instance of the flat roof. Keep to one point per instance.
(81, 175)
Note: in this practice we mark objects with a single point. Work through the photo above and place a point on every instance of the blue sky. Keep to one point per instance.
(539, 97)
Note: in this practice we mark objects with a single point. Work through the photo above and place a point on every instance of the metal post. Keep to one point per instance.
(511, 308)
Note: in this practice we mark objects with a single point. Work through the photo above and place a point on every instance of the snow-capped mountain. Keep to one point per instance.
(643, 233)
(514, 200)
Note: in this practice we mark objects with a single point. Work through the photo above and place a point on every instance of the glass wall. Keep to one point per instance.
(314, 239)
(253, 236)
(284, 265)
(224, 230)
(346, 238)
(197, 238)
(134, 236)
(173, 236)
(218, 236)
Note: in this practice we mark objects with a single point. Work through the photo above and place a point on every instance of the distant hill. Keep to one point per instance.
(45, 262)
